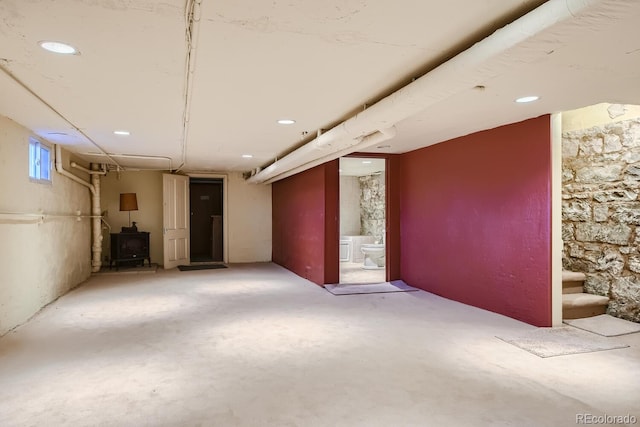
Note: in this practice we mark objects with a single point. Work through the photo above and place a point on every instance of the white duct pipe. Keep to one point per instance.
(94, 188)
(484, 60)
(319, 147)
(367, 141)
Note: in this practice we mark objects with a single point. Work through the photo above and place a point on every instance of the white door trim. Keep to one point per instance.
(556, 219)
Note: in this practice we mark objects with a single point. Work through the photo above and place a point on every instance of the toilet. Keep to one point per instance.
(373, 256)
(350, 247)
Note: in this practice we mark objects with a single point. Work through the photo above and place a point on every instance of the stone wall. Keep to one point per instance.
(601, 212)
(372, 206)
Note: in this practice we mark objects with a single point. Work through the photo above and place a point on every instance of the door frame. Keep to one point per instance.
(556, 219)
(225, 208)
(392, 212)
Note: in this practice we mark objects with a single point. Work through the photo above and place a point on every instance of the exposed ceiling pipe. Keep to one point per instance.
(89, 171)
(56, 112)
(138, 156)
(484, 60)
(192, 30)
(68, 174)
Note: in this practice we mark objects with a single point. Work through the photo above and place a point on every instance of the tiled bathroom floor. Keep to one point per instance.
(351, 272)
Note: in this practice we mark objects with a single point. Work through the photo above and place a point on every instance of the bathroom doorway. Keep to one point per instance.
(363, 220)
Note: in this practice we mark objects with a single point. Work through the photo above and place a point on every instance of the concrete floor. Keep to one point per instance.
(255, 345)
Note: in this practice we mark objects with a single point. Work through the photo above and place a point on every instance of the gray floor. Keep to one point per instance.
(254, 345)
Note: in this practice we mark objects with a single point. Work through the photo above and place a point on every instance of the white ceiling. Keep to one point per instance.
(358, 166)
(319, 63)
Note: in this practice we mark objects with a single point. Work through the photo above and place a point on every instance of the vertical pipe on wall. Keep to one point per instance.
(96, 243)
(94, 187)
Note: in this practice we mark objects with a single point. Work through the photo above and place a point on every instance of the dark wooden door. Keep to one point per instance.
(206, 203)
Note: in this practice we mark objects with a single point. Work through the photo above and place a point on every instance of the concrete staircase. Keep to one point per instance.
(575, 303)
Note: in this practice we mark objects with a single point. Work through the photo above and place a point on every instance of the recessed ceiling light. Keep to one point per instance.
(286, 121)
(526, 99)
(247, 156)
(122, 132)
(383, 146)
(366, 162)
(58, 47)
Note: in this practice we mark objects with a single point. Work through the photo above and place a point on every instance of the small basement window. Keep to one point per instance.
(39, 161)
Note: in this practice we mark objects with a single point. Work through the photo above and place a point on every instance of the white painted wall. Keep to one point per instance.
(38, 261)
(349, 206)
(249, 220)
(598, 115)
(148, 188)
(248, 214)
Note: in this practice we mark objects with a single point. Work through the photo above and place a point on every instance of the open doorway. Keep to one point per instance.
(599, 211)
(363, 221)
(206, 207)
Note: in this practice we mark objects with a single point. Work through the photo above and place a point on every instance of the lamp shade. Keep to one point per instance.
(128, 202)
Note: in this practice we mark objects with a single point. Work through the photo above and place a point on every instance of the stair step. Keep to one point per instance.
(572, 290)
(573, 276)
(579, 305)
(581, 300)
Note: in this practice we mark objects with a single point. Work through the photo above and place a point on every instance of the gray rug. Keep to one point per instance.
(561, 341)
(370, 288)
(201, 267)
(605, 325)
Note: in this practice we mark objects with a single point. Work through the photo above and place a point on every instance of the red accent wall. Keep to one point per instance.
(475, 218)
(305, 223)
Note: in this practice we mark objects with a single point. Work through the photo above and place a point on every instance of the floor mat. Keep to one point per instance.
(605, 325)
(201, 267)
(560, 341)
(370, 288)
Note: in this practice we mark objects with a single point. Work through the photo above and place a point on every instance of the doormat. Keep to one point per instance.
(560, 341)
(201, 267)
(370, 288)
(605, 325)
